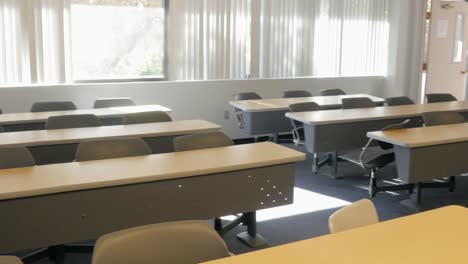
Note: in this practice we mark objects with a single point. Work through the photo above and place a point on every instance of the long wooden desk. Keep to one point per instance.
(63, 203)
(438, 236)
(338, 130)
(266, 116)
(58, 146)
(35, 121)
(427, 153)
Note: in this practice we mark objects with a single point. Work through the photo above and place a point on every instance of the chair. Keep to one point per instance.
(298, 128)
(111, 149)
(53, 106)
(442, 118)
(332, 92)
(296, 94)
(113, 102)
(359, 214)
(72, 121)
(202, 141)
(358, 102)
(440, 98)
(10, 260)
(247, 96)
(15, 157)
(146, 117)
(400, 100)
(177, 243)
(374, 156)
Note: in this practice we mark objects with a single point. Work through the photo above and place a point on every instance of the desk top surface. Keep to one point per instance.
(18, 118)
(75, 135)
(276, 104)
(423, 136)
(438, 236)
(59, 178)
(375, 113)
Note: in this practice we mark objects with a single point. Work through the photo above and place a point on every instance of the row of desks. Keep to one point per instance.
(62, 203)
(113, 115)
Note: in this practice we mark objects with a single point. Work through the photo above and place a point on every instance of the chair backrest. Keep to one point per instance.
(113, 102)
(296, 94)
(111, 149)
(53, 106)
(400, 100)
(72, 121)
(304, 107)
(440, 98)
(146, 117)
(442, 118)
(202, 141)
(358, 102)
(10, 260)
(358, 214)
(332, 92)
(15, 157)
(247, 96)
(176, 243)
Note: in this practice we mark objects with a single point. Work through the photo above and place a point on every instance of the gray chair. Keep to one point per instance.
(332, 92)
(298, 128)
(111, 149)
(146, 117)
(358, 102)
(244, 97)
(15, 157)
(296, 94)
(400, 100)
(157, 145)
(247, 96)
(53, 106)
(374, 156)
(72, 121)
(202, 141)
(442, 118)
(440, 98)
(176, 243)
(113, 102)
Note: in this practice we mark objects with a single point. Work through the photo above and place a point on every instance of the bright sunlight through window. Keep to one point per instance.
(117, 39)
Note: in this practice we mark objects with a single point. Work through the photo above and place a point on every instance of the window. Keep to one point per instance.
(117, 39)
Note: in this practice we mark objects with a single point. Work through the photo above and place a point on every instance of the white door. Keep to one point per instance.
(447, 55)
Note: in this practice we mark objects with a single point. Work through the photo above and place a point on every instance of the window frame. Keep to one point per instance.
(165, 76)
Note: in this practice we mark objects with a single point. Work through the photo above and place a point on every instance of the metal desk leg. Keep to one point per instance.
(251, 238)
(333, 166)
(317, 163)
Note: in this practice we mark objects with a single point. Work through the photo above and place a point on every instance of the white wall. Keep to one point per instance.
(189, 100)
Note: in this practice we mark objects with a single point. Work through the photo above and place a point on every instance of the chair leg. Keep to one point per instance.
(372, 184)
(453, 183)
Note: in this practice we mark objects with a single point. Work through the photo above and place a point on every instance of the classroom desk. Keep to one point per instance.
(36, 121)
(62, 203)
(338, 130)
(438, 236)
(427, 153)
(59, 145)
(266, 116)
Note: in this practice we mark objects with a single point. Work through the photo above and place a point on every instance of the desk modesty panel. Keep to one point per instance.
(427, 153)
(63, 203)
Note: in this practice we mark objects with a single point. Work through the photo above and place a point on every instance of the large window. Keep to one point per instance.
(117, 39)
(63, 41)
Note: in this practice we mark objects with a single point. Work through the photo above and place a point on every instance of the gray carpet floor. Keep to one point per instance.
(321, 197)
